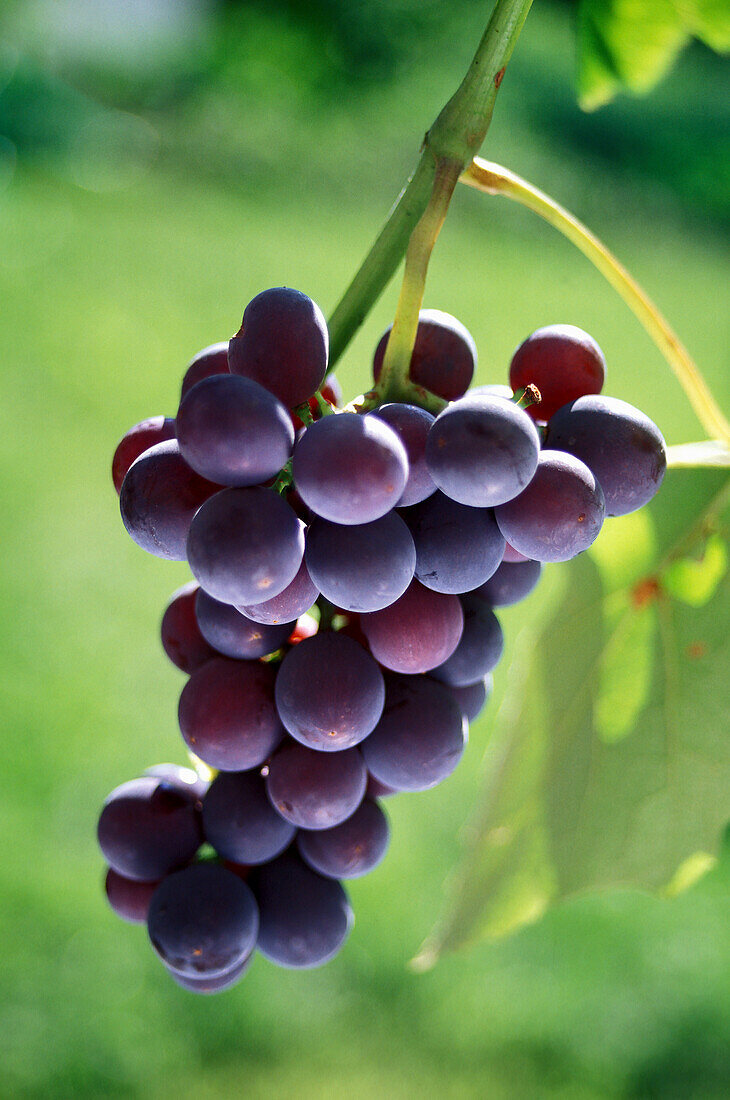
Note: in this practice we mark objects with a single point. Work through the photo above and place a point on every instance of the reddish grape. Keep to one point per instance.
(156, 429)
(563, 362)
(444, 355)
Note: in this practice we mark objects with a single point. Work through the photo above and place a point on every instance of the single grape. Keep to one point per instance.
(479, 649)
(560, 512)
(227, 714)
(208, 362)
(376, 789)
(156, 429)
(293, 601)
(493, 389)
(361, 567)
(472, 698)
(315, 790)
(444, 355)
(512, 555)
(482, 451)
(348, 850)
(215, 984)
(329, 692)
(129, 899)
(159, 497)
(245, 545)
(417, 632)
(349, 468)
(233, 634)
(563, 362)
(203, 921)
(148, 828)
(618, 443)
(240, 822)
(283, 344)
(181, 638)
(411, 425)
(457, 547)
(304, 918)
(233, 431)
(180, 778)
(511, 583)
(420, 738)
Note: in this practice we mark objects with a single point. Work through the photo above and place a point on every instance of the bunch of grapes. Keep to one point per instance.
(340, 633)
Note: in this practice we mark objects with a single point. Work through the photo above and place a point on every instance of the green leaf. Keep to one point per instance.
(600, 775)
(695, 580)
(708, 20)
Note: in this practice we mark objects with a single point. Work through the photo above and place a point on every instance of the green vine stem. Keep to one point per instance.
(455, 137)
(710, 452)
(495, 180)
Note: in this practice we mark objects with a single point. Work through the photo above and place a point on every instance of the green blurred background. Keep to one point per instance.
(160, 163)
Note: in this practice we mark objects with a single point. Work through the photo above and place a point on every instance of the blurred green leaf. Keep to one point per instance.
(695, 581)
(600, 774)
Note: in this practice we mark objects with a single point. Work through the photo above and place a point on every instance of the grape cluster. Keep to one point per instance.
(339, 634)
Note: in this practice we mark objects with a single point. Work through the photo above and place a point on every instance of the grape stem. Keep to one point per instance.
(710, 452)
(495, 180)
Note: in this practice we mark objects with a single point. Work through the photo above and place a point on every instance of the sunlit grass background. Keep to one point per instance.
(145, 197)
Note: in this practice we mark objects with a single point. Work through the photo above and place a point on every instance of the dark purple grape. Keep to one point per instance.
(494, 389)
(283, 344)
(245, 545)
(511, 583)
(351, 849)
(181, 638)
(181, 778)
(512, 555)
(444, 355)
(233, 431)
(362, 567)
(417, 632)
(304, 918)
(349, 468)
(329, 692)
(618, 443)
(411, 425)
(129, 899)
(560, 512)
(136, 441)
(288, 605)
(203, 921)
(235, 635)
(214, 984)
(472, 698)
(315, 790)
(563, 362)
(240, 822)
(482, 451)
(147, 828)
(376, 789)
(479, 649)
(159, 497)
(227, 714)
(420, 738)
(208, 362)
(457, 547)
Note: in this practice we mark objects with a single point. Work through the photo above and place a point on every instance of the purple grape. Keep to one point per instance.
(417, 632)
(227, 714)
(457, 547)
(283, 344)
(159, 497)
(444, 355)
(511, 583)
(304, 918)
(493, 389)
(288, 605)
(479, 649)
(560, 512)
(362, 567)
(315, 790)
(129, 899)
(349, 468)
(245, 545)
(203, 921)
(215, 984)
(482, 451)
(240, 822)
(235, 635)
(618, 443)
(329, 692)
(156, 429)
(376, 789)
(181, 778)
(472, 698)
(411, 425)
(207, 363)
(420, 738)
(563, 362)
(233, 431)
(147, 828)
(181, 638)
(351, 849)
